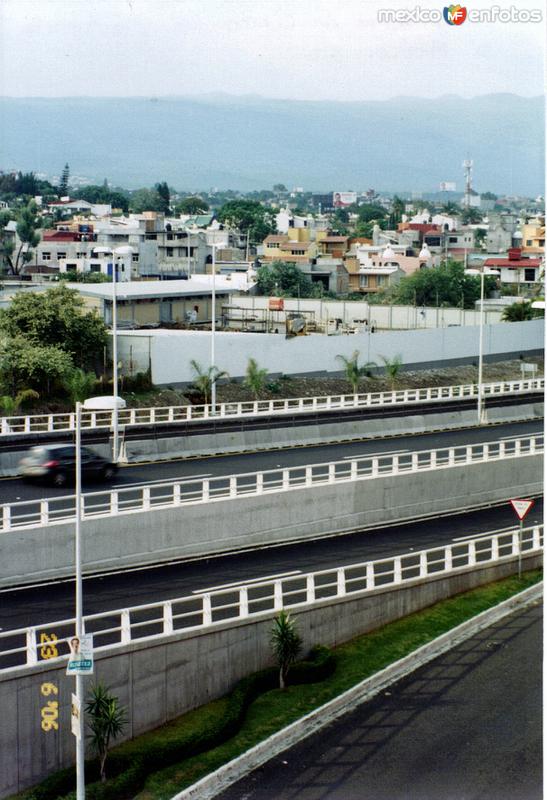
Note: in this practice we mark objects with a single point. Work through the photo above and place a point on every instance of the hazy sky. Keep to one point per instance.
(302, 49)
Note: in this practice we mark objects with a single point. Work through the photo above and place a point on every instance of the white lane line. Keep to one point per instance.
(182, 478)
(247, 582)
(376, 455)
(470, 536)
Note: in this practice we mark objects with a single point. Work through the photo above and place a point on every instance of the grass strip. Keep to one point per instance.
(254, 710)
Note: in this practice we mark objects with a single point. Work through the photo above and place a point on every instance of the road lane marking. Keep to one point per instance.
(247, 582)
(509, 529)
(376, 455)
(162, 480)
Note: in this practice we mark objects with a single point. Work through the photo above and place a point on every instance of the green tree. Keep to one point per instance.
(57, 318)
(279, 187)
(165, 197)
(446, 285)
(107, 719)
(26, 365)
(471, 216)
(286, 644)
(79, 385)
(11, 405)
(205, 378)
(397, 211)
(283, 278)
(27, 223)
(392, 367)
(102, 194)
(451, 209)
(63, 182)
(192, 205)
(520, 312)
(353, 371)
(250, 217)
(146, 200)
(255, 377)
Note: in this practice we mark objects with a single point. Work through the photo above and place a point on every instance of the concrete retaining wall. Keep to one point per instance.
(157, 681)
(172, 533)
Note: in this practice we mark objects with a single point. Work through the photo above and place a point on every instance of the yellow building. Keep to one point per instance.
(533, 236)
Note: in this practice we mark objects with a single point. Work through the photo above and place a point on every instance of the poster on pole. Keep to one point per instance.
(75, 716)
(521, 507)
(80, 660)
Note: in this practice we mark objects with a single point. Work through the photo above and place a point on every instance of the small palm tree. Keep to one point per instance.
(392, 367)
(286, 644)
(353, 371)
(255, 378)
(107, 720)
(79, 385)
(518, 312)
(11, 405)
(205, 378)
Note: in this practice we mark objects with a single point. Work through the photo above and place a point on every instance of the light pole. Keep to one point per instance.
(124, 250)
(213, 327)
(482, 272)
(80, 755)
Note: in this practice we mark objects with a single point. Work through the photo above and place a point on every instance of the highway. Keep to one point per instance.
(50, 602)
(13, 489)
(465, 727)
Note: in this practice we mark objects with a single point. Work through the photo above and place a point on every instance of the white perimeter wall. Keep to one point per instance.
(168, 353)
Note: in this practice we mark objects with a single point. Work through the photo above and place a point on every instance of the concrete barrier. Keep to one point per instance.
(157, 681)
(171, 533)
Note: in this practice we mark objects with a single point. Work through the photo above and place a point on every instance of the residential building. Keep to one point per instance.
(517, 269)
(533, 236)
(373, 267)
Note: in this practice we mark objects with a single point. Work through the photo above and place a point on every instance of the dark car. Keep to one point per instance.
(56, 464)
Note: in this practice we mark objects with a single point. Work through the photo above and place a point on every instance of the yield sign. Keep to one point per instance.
(521, 507)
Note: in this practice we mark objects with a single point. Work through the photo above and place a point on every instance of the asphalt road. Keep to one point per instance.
(14, 489)
(468, 726)
(50, 602)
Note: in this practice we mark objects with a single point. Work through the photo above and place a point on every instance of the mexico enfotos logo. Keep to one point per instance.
(456, 15)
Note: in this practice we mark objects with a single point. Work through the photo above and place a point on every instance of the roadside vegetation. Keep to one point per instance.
(158, 764)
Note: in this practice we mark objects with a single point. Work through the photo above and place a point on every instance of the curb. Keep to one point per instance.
(219, 780)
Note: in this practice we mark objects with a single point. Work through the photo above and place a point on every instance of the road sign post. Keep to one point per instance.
(521, 509)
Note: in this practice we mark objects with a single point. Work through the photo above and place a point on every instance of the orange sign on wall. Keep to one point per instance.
(276, 304)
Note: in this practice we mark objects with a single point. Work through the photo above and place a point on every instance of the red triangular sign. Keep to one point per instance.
(521, 507)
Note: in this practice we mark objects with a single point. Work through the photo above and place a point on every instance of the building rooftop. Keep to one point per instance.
(129, 290)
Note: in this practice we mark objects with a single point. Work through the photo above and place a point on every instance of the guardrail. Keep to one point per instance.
(92, 420)
(55, 510)
(30, 646)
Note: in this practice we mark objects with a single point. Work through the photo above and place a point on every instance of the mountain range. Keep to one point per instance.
(251, 142)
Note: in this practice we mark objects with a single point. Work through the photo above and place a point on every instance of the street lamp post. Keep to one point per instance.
(482, 272)
(213, 327)
(79, 688)
(124, 250)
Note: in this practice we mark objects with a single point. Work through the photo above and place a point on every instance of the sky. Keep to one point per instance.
(297, 49)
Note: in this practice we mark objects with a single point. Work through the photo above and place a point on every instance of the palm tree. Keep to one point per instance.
(518, 312)
(79, 385)
(286, 644)
(10, 405)
(353, 371)
(107, 720)
(255, 378)
(204, 379)
(392, 367)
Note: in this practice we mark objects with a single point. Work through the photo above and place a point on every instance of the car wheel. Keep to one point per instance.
(108, 472)
(59, 479)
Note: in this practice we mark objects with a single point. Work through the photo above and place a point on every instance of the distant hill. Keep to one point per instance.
(251, 142)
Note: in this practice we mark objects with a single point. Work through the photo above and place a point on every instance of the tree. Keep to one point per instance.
(353, 371)
(450, 209)
(191, 206)
(279, 187)
(25, 365)
(283, 278)
(79, 385)
(255, 377)
(205, 378)
(471, 216)
(286, 644)
(27, 223)
(249, 217)
(63, 183)
(102, 194)
(520, 312)
(397, 211)
(146, 200)
(165, 196)
(107, 719)
(444, 285)
(11, 405)
(392, 367)
(56, 318)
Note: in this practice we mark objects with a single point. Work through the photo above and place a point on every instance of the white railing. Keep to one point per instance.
(29, 646)
(92, 420)
(54, 510)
